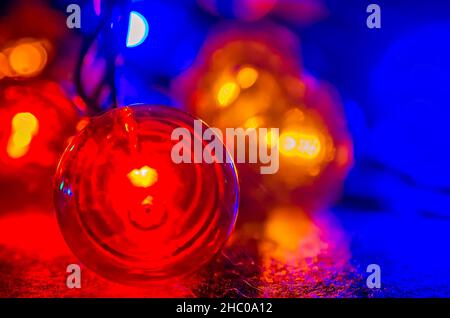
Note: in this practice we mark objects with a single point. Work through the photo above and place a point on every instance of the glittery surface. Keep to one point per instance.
(311, 259)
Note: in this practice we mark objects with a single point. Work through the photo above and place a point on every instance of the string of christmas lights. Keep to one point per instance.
(125, 209)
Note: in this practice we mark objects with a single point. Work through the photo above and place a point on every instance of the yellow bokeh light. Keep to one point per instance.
(143, 177)
(28, 59)
(302, 145)
(308, 146)
(15, 151)
(227, 94)
(288, 143)
(247, 77)
(253, 122)
(23, 127)
(21, 139)
(25, 122)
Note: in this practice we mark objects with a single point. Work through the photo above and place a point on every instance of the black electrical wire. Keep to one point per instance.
(92, 100)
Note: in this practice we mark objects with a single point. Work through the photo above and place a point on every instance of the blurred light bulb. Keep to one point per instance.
(308, 146)
(24, 126)
(28, 59)
(26, 122)
(227, 94)
(288, 142)
(247, 77)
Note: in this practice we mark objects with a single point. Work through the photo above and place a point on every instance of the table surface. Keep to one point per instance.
(287, 255)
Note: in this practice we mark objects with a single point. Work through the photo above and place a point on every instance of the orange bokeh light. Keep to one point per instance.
(247, 77)
(26, 58)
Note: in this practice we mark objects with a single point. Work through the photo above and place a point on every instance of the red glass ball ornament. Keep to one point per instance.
(128, 211)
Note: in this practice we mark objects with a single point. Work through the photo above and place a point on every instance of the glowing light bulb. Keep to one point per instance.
(25, 122)
(227, 94)
(21, 138)
(24, 126)
(288, 142)
(308, 146)
(137, 29)
(143, 177)
(293, 143)
(28, 59)
(247, 77)
(15, 151)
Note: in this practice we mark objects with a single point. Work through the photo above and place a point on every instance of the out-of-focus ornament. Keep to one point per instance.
(251, 79)
(316, 150)
(132, 214)
(35, 122)
(241, 74)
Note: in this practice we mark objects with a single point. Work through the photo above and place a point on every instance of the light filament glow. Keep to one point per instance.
(143, 177)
